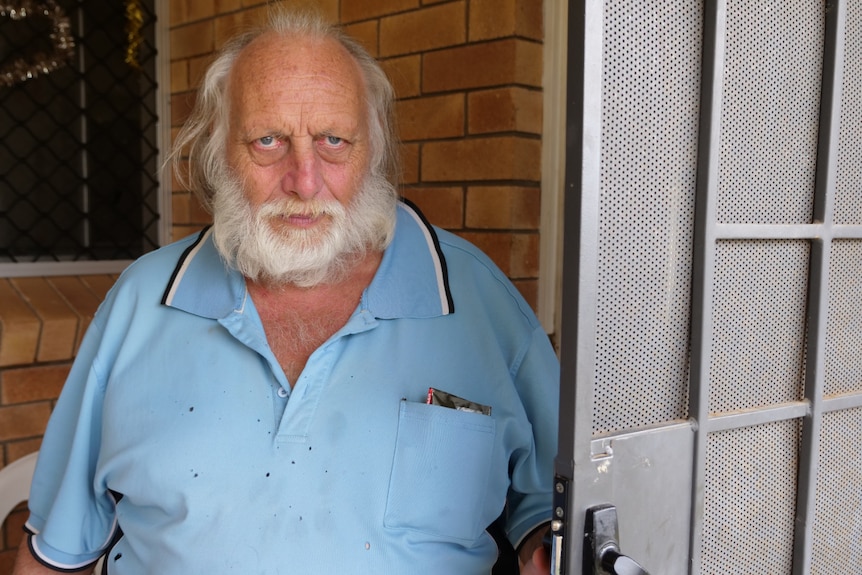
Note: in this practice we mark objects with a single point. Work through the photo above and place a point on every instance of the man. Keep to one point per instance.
(256, 399)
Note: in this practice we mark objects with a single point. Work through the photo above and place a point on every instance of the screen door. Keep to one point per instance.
(711, 341)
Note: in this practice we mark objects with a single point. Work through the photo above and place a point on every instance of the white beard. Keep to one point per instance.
(254, 242)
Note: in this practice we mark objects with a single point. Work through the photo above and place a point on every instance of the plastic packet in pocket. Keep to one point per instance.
(445, 399)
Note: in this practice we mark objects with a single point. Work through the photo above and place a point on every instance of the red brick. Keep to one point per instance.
(494, 158)
(422, 30)
(504, 110)
(505, 207)
(29, 384)
(19, 328)
(442, 206)
(511, 61)
(26, 420)
(353, 10)
(434, 117)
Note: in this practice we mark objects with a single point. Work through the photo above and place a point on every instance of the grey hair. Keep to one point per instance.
(204, 135)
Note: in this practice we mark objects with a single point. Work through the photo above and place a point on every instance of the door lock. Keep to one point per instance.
(602, 554)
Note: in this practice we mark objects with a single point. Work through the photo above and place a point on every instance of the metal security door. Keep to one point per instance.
(712, 316)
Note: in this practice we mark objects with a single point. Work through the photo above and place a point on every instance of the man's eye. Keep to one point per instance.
(334, 140)
(267, 142)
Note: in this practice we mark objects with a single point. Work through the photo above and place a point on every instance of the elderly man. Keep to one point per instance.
(321, 382)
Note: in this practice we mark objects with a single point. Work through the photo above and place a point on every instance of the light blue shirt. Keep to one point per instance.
(178, 437)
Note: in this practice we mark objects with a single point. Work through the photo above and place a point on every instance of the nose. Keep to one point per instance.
(302, 175)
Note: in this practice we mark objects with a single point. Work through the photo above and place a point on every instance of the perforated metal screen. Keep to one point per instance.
(650, 102)
(730, 217)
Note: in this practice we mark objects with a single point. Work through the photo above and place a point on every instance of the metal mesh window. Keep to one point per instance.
(78, 130)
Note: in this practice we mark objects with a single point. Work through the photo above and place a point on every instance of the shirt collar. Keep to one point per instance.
(412, 280)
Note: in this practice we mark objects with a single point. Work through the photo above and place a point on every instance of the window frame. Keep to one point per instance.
(163, 200)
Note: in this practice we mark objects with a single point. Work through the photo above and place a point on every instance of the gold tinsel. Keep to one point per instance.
(19, 70)
(134, 23)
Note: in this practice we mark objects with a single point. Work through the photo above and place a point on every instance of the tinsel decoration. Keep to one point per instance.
(134, 23)
(21, 69)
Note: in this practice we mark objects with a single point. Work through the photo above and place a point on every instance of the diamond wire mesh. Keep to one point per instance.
(78, 145)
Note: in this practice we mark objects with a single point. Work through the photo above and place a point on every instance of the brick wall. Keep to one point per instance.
(42, 321)
(468, 77)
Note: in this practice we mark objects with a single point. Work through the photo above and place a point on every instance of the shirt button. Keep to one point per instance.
(282, 392)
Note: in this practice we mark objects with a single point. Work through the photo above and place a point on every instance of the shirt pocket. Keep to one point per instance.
(440, 472)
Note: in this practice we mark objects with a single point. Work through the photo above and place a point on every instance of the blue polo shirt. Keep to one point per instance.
(179, 443)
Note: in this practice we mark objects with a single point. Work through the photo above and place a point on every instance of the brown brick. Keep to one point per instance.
(26, 420)
(517, 255)
(31, 384)
(494, 158)
(442, 206)
(489, 64)
(181, 107)
(505, 207)
(227, 26)
(501, 18)
(19, 328)
(180, 232)
(434, 117)
(178, 13)
(223, 6)
(530, 291)
(366, 33)
(197, 68)
(180, 211)
(18, 449)
(409, 163)
(404, 73)
(180, 76)
(192, 40)
(80, 298)
(353, 10)
(98, 284)
(504, 110)
(422, 30)
(200, 9)
(199, 215)
(59, 322)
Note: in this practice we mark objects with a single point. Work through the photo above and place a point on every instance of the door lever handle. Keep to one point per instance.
(615, 563)
(602, 554)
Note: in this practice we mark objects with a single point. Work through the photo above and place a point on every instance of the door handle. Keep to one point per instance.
(602, 554)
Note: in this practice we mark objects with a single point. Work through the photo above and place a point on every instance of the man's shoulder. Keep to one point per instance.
(154, 269)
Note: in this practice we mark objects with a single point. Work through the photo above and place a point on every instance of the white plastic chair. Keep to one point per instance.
(15, 481)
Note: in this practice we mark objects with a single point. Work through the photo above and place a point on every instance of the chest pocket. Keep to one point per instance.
(440, 472)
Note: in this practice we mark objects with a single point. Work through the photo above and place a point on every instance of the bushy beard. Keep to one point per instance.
(253, 241)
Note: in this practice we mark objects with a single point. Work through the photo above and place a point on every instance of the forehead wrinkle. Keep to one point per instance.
(274, 85)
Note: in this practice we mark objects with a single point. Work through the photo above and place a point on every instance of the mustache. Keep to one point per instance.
(286, 207)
